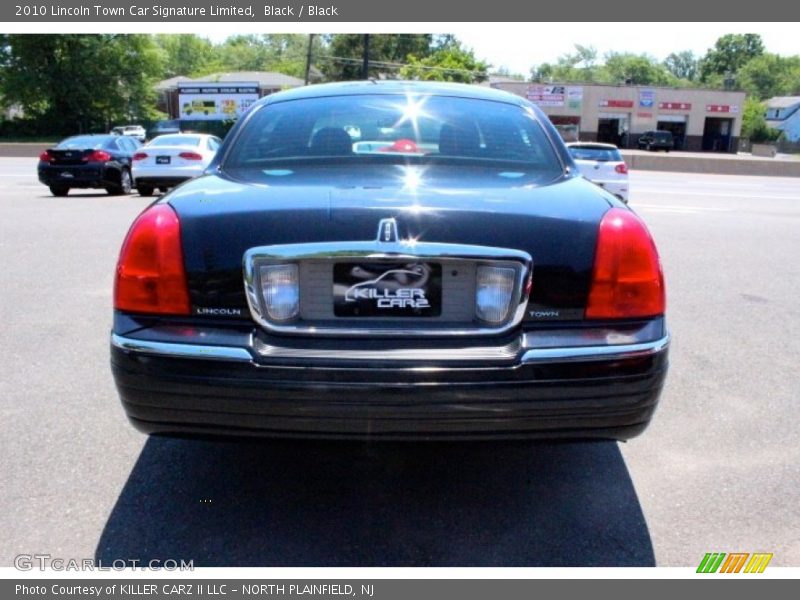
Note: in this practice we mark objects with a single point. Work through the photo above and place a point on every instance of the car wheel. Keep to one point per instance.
(145, 190)
(649, 147)
(125, 184)
(59, 190)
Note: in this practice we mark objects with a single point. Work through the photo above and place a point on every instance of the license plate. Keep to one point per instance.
(162, 160)
(387, 289)
(67, 174)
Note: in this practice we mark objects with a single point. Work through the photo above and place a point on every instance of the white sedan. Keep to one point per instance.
(168, 160)
(603, 165)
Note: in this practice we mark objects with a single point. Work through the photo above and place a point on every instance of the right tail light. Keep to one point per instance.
(627, 281)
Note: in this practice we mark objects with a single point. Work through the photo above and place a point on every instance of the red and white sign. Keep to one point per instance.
(675, 105)
(616, 103)
(722, 108)
(547, 95)
(644, 115)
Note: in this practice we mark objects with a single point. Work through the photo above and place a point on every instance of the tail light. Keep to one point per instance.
(140, 156)
(191, 156)
(97, 156)
(621, 168)
(150, 273)
(627, 281)
(46, 156)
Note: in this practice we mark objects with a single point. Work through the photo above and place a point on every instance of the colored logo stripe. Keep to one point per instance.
(734, 562)
(758, 563)
(711, 562)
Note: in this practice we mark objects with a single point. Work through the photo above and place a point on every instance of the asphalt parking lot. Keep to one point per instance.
(718, 470)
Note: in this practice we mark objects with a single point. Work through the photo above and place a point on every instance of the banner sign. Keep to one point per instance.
(722, 108)
(616, 103)
(547, 95)
(215, 102)
(675, 105)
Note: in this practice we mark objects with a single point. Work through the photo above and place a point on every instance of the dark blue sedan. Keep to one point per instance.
(89, 161)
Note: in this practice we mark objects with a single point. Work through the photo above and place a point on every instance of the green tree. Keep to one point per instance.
(453, 63)
(77, 83)
(769, 75)
(683, 65)
(387, 54)
(729, 54)
(638, 69)
(184, 54)
(754, 124)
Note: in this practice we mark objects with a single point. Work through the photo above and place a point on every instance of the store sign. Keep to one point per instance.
(647, 98)
(722, 108)
(556, 95)
(574, 97)
(644, 115)
(616, 103)
(547, 95)
(675, 106)
(215, 102)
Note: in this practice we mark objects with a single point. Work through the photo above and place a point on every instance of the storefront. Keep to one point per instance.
(700, 120)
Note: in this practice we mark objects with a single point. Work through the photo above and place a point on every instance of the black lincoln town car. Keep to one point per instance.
(392, 260)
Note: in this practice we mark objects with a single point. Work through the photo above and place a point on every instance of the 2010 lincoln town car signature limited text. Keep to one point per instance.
(390, 260)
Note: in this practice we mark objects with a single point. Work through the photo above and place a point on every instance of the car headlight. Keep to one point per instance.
(280, 289)
(493, 291)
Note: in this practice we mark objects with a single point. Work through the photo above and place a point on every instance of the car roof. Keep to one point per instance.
(354, 88)
(596, 145)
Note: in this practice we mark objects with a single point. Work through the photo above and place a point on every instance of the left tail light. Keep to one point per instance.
(150, 274)
(97, 156)
(140, 156)
(627, 282)
(46, 156)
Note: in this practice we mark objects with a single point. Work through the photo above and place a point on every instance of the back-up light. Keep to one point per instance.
(627, 281)
(150, 273)
(494, 288)
(280, 288)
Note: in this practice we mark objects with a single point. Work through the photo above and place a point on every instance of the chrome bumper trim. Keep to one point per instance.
(508, 352)
(595, 353)
(174, 350)
(475, 353)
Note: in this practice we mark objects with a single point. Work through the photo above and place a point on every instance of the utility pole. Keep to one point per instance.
(365, 66)
(308, 56)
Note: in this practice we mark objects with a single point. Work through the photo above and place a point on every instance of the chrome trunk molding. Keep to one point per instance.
(404, 250)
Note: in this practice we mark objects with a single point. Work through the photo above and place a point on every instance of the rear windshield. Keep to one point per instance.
(595, 153)
(176, 140)
(393, 129)
(84, 142)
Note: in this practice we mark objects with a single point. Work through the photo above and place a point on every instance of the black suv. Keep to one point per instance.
(656, 140)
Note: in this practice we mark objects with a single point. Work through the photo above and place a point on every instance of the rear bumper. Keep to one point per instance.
(76, 176)
(161, 180)
(533, 388)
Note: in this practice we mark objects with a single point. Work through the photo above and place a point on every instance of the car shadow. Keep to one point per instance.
(291, 503)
